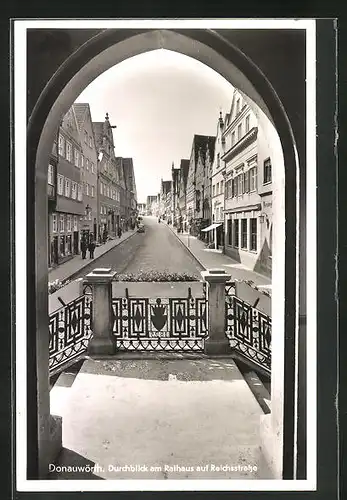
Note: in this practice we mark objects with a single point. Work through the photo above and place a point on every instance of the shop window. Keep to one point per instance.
(244, 233)
(253, 234)
(229, 231)
(236, 233)
(62, 245)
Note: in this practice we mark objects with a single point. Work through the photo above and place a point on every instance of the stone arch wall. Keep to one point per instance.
(96, 56)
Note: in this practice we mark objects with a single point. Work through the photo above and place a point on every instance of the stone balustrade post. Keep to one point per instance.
(102, 341)
(216, 342)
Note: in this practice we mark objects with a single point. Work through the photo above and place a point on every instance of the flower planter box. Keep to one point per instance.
(157, 289)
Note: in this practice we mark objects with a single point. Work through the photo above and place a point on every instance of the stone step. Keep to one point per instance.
(162, 412)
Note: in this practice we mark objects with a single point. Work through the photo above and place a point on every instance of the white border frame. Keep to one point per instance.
(20, 134)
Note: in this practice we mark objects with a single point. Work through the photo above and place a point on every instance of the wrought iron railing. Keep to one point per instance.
(160, 324)
(248, 331)
(69, 332)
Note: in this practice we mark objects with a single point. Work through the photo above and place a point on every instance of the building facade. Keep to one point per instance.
(195, 182)
(131, 192)
(182, 191)
(89, 177)
(108, 181)
(217, 185)
(175, 173)
(247, 188)
(65, 218)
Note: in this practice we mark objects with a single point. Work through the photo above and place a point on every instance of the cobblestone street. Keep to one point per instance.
(157, 249)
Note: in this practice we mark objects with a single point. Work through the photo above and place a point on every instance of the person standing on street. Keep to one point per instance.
(84, 247)
(91, 247)
(119, 232)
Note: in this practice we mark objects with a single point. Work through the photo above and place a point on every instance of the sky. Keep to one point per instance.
(158, 101)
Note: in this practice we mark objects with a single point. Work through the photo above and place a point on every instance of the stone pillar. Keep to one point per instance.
(217, 342)
(102, 341)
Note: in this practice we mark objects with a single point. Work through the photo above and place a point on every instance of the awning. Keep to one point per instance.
(213, 226)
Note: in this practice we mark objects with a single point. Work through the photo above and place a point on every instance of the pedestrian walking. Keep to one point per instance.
(119, 232)
(91, 248)
(84, 247)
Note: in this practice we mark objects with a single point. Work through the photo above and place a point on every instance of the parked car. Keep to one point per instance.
(141, 228)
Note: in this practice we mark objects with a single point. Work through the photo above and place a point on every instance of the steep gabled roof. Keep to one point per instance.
(184, 169)
(80, 110)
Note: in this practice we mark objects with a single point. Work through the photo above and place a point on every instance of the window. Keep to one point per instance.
(243, 233)
(85, 136)
(233, 138)
(229, 232)
(239, 132)
(74, 190)
(239, 185)
(236, 233)
(213, 190)
(253, 179)
(61, 146)
(228, 190)
(92, 167)
(87, 189)
(253, 234)
(247, 123)
(246, 181)
(218, 160)
(62, 245)
(90, 215)
(238, 106)
(267, 171)
(82, 160)
(90, 141)
(77, 158)
(87, 164)
(108, 191)
(75, 226)
(61, 223)
(67, 187)
(54, 223)
(221, 187)
(51, 175)
(217, 190)
(68, 151)
(93, 191)
(80, 192)
(68, 223)
(60, 184)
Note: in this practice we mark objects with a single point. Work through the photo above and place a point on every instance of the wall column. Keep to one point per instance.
(217, 342)
(102, 341)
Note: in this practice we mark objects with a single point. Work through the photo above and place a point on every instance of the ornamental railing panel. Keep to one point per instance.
(160, 324)
(248, 331)
(69, 332)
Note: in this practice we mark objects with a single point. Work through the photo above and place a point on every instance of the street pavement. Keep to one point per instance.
(156, 249)
(209, 258)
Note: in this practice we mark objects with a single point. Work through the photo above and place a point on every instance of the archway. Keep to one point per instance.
(100, 53)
